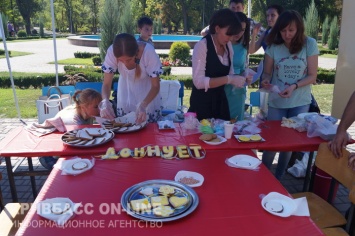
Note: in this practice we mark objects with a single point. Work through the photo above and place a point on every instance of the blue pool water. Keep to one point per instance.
(158, 37)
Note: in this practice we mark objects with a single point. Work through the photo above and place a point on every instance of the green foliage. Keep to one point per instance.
(97, 60)
(85, 54)
(109, 24)
(159, 26)
(81, 69)
(333, 34)
(2, 52)
(166, 70)
(328, 51)
(311, 21)
(179, 51)
(21, 34)
(127, 23)
(325, 30)
(4, 24)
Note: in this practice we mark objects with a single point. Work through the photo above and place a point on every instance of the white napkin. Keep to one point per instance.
(67, 166)
(296, 207)
(301, 207)
(44, 209)
(47, 127)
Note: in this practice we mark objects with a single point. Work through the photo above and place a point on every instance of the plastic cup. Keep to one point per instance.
(228, 129)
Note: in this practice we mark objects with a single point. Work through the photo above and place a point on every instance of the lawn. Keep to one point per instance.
(16, 54)
(27, 100)
(76, 61)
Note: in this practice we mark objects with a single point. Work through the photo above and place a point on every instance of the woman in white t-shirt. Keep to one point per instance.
(291, 62)
(139, 84)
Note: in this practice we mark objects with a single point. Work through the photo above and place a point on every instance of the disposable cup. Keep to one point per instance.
(228, 129)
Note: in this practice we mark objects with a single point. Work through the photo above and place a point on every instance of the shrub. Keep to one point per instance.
(166, 70)
(311, 21)
(325, 30)
(2, 52)
(85, 54)
(21, 34)
(110, 22)
(97, 60)
(333, 34)
(34, 32)
(180, 51)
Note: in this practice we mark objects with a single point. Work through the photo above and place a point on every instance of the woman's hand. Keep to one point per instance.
(265, 83)
(287, 92)
(106, 110)
(141, 113)
(236, 80)
(249, 79)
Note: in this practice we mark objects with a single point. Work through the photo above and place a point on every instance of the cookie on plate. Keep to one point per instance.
(255, 137)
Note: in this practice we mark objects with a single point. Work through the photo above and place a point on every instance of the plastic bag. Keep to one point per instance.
(319, 126)
(298, 170)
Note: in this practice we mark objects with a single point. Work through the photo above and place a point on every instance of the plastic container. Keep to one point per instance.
(190, 120)
(322, 182)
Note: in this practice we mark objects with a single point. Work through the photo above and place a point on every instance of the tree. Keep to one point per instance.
(127, 23)
(311, 21)
(333, 34)
(109, 22)
(27, 9)
(325, 30)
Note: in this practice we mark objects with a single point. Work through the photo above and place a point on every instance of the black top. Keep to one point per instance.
(213, 103)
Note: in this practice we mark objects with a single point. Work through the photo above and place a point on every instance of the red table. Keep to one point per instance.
(229, 200)
(22, 143)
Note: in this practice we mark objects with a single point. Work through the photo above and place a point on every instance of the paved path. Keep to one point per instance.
(43, 53)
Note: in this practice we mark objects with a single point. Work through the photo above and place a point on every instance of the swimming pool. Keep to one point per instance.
(161, 41)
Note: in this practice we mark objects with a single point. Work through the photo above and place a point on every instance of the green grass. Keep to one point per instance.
(27, 100)
(16, 54)
(76, 61)
(329, 56)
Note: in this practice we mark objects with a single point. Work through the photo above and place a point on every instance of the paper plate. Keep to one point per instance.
(70, 166)
(183, 173)
(244, 161)
(222, 140)
(276, 200)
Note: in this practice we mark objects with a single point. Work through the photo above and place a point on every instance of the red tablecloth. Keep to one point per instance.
(229, 199)
(22, 143)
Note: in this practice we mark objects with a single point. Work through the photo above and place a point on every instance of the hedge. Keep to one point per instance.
(2, 52)
(86, 55)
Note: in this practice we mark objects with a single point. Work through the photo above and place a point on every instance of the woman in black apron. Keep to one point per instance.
(211, 66)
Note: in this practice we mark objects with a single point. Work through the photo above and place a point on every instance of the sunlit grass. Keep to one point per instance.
(76, 61)
(16, 54)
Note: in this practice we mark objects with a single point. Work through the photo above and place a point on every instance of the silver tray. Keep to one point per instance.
(132, 193)
(130, 129)
(108, 135)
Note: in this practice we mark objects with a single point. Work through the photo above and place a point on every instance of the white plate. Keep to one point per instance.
(244, 161)
(223, 139)
(248, 135)
(106, 136)
(287, 203)
(68, 166)
(183, 173)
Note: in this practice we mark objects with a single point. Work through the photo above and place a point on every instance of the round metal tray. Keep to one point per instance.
(132, 193)
(130, 129)
(109, 135)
